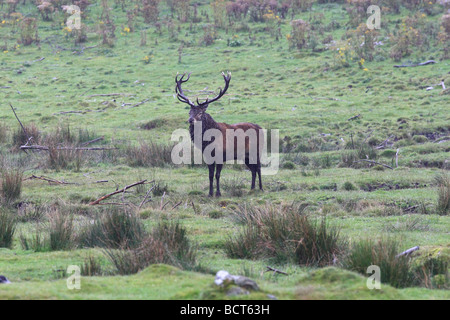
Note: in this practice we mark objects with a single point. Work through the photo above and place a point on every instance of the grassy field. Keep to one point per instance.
(334, 101)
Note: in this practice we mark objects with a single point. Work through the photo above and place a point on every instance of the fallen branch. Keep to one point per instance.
(92, 141)
(410, 209)
(326, 98)
(36, 147)
(67, 112)
(374, 162)
(37, 60)
(354, 117)
(176, 205)
(101, 181)
(110, 95)
(146, 196)
(384, 143)
(416, 64)
(49, 180)
(116, 192)
(138, 104)
(408, 252)
(23, 128)
(275, 271)
(83, 48)
(193, 207)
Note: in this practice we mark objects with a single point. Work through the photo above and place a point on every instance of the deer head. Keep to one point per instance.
(197, 110)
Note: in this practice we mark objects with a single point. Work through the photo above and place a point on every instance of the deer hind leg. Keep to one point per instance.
(258, 170)
(218, 170)
(253, 169)
(211, 168)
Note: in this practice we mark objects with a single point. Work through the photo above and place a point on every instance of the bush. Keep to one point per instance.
(116, 228)
(395, 271)
(91, 267)
(11, 184)
(167, 243)
(234, 186)
(3, 133)
(62, 234)
(149, 155)
(20, 138)
(285, 233)
(299, 34)
(8, 224)
(443, 203)
(38, 242)
(288, 165)
(348, 186)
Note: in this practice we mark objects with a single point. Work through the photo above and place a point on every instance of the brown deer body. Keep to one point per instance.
(229, 147)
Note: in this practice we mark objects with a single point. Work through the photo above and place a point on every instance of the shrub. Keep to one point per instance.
(234, 186)
(11, 184)
(62, 234)
(8, 223)
(20, 138)
(167, 243)
(356, 10)
(299, 34)
(443, 202)
(115, 228)
(150, 10)
(149, 155)
(395, 271)
(215, 214)
(407, 38)
(31, 212)
(38, 242)
(28, 31)
(3, 133)
(288, 165)
(420, 139)
(285, 233)
(348, 186)
(91, 267)
(431, 268)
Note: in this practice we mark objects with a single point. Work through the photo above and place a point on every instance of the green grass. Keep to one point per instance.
(301, 93)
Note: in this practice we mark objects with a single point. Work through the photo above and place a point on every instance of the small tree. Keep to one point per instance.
(150, 10)
(28, 31)
(299, 34)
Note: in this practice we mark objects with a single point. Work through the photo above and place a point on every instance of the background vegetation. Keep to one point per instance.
(364, 148)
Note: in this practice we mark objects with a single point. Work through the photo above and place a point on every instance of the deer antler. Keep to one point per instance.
(179, 91)
(227, 78)
(181, 96)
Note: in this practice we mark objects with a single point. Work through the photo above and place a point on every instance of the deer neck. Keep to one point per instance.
(207, 123)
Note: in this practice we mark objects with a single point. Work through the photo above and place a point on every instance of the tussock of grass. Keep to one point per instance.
(114, 228)
(151, 154)
(8, 225)
(382, 253)
(167, 243)
(62, 232)
(285, 234)
(443, 203)
(11, 186)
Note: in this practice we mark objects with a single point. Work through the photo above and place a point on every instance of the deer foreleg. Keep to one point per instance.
(211, 168)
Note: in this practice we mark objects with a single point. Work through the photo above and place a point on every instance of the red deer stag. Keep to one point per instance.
(247, 150)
